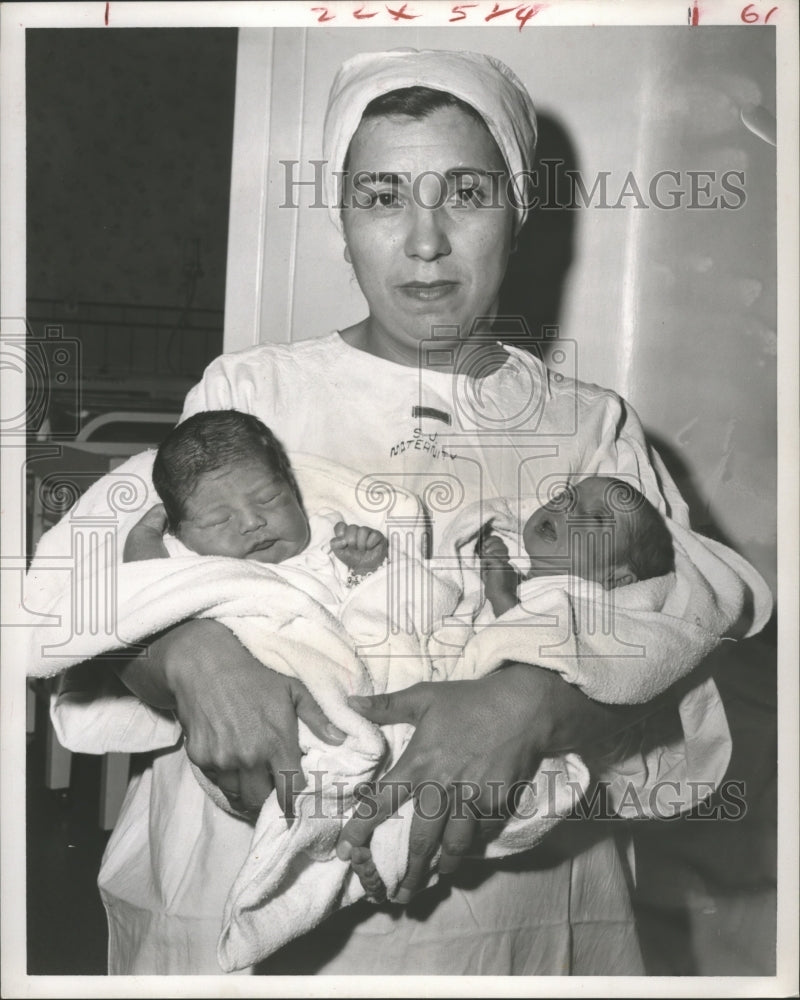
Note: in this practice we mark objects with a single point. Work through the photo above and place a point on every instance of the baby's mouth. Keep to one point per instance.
(548, 531)
(267, 543)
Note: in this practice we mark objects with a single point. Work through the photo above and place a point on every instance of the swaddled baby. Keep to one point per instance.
(227, 489)
(601, 529)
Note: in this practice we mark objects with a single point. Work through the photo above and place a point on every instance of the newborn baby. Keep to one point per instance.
(227, 489)
(600, 529)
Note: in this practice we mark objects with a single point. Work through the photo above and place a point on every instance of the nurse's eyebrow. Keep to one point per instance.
(390, 177)
(458, 171)
(382, 176)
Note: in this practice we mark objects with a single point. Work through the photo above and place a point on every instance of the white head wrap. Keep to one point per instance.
(481, 81)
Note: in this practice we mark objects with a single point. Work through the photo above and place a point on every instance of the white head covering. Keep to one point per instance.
(481, 81)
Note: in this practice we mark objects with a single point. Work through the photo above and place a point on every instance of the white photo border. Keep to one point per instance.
(16, 18)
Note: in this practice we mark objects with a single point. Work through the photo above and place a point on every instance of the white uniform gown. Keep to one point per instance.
(560, 909)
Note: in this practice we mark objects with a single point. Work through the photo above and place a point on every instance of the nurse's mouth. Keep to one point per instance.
(427, 291)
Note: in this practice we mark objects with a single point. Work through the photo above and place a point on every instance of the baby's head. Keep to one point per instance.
(228, 489)
(618, 537)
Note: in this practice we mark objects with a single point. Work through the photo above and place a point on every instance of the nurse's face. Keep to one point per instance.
(428, 227)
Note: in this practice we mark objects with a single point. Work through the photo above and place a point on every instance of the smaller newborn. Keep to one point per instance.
(600, 529)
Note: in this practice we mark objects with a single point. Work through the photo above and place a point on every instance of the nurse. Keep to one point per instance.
(433, 147)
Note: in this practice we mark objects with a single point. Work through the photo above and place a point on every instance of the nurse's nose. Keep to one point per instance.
(427, 235)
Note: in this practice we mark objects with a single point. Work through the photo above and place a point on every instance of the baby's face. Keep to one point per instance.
(247, 511)
(583, 513)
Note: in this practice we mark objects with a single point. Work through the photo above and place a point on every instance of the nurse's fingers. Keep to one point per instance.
(363, 865)
(226, 781)
(309, 711)
(375, 805)
(431, 807)
(289, 782)
(459, 836)
(406, 705)
(255, 787)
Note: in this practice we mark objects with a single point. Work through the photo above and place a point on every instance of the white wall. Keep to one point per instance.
(675, 309)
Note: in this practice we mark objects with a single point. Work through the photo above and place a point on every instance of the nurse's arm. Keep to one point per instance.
(238, 716)
(475, 740)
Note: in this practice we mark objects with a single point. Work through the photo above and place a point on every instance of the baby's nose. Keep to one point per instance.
(251, 518)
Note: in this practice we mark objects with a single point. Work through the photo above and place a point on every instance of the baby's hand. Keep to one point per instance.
(361, 549)
(155, 518)
(500, 579)
(493, 554)
(145, 539)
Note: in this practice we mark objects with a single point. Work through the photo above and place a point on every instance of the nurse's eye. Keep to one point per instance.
(470, 189)
(466, 196)
(389, 198)
(270, 497)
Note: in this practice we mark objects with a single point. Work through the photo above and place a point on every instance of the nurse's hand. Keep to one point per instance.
(239, 718)
(472, 742)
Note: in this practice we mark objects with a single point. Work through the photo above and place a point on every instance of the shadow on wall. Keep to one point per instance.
(701, 513)
(534, 284)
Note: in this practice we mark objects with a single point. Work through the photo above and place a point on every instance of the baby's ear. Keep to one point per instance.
(620, 576)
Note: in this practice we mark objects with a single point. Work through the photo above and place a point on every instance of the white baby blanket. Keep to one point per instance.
(292, 878)
(593, 637)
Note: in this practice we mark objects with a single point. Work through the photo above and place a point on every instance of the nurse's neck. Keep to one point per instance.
(478, 355)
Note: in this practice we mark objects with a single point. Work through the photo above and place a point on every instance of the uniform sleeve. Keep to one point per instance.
(623, 450)
(213, 392)
(249, 381)
(92, 712)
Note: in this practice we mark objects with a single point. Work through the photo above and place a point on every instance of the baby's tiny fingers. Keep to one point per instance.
(495, 547)
(374, 539)
(364, 535)
(351, 535)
